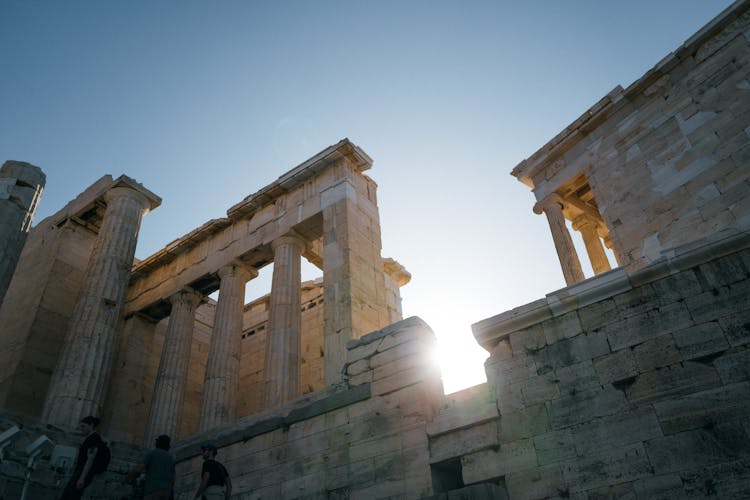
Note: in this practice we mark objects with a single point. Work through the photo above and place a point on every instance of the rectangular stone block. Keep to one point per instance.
(574, 350)
(596, 315)
(616, 366)
(700, 340)
(578, 377)
(510, 370)
(562, 327)
(736, 328)
(695, 449)
(490, 464)
(528, 340)
(509, 398)
(726, 270)
(464, 441)
(734, 366)
(701, 409)
(615, 431)
(463, 415)
(646, 326)
(611, 467)
(637, 301)
(727, 480)
(539, 389)
(719, 302)
(554, 446)
(522, 424)
(584, 406)
(666, 487)
(656, 353)
(537, 482)
(678, 379)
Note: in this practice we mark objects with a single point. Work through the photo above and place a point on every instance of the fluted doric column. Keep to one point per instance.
(283, 342)
(82, 373)
(588, 230)
(222, 369)
(552, 207)
(169, 391)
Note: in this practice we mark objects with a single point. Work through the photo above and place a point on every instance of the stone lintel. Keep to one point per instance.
(526, 170)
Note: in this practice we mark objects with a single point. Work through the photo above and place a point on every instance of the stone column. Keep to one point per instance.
(284, 338)
(619, 257)
(222, 369)
(21, 186)
(598, 258)
(169, 391)
(552, 206)
(82, 373)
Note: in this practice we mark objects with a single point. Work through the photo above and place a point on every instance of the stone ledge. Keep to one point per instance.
(280, 418)
(489, 332)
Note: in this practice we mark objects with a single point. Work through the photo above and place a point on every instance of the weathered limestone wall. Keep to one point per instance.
(35, 312)
(365, 438)
(667, 159)
(624, 385)
(21, 186)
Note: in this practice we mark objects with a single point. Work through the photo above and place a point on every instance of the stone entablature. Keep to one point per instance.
(658, 164)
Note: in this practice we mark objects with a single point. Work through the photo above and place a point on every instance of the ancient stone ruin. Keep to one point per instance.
(631, 383)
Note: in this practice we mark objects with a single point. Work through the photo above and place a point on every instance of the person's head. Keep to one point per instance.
(208, 450)
(163, 442)
(88, 424)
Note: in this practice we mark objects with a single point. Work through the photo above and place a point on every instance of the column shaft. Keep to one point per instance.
(598, 258)
(83, 368)
(169, 390)
(283, 342)
(566, 251)
(222, 369)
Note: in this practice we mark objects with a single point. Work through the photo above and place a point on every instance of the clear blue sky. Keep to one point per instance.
(205, 102)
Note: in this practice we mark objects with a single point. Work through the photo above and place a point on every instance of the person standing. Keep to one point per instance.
(215, 483)
(159, 467)
(83, 471)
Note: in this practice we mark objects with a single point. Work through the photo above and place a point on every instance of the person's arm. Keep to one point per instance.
(228, 487)
(87, 467)
(134, 473)
(204, 484)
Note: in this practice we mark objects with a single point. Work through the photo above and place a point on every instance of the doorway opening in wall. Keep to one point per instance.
(587, 227)
(447, 475)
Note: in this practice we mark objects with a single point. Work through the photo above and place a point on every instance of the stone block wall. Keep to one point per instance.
(667, 158)
(365, 438)
(643, 393)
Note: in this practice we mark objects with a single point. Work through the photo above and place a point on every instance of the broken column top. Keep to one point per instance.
(24, 172)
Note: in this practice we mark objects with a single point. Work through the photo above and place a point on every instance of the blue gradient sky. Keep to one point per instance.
(205, 102)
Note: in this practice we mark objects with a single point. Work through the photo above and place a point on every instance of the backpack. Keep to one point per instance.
(101, 460)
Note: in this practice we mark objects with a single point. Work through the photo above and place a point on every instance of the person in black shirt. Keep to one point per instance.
(83, 472)
(215, 482)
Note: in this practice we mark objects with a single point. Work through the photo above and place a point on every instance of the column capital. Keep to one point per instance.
(291, 238)
(239, 269)
(125, 192)
(583, 221)
(548, 201)
(186, 295)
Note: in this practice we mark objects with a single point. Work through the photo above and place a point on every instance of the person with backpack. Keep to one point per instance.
(92, 459)
(215, 483)
(158, 464)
